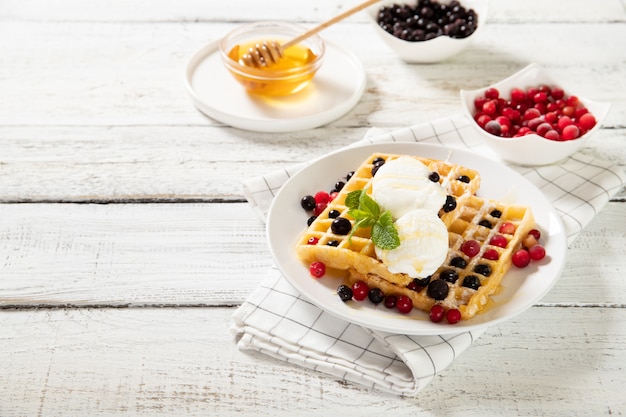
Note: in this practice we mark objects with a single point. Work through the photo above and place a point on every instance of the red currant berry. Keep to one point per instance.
(360, 289)
(507, 228)
(404, 304)
(319, 208)
(313, 241)
(453, 316)
(537, 252)
(521, 258)
(391, 301)
(322, 197)
(317, 269)
(499, 241)
(437, 313)
(470, 248)
(536, 233)
(491, 254)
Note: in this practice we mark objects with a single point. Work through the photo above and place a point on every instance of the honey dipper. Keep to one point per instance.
(270, 52)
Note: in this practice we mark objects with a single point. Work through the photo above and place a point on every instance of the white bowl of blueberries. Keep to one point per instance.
(428, 31)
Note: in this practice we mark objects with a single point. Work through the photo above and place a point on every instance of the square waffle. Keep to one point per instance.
(339, 252)
(473, 219)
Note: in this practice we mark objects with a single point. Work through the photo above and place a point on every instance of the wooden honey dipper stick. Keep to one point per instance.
(270, 52)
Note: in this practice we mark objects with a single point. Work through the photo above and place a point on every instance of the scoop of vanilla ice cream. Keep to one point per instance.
(402, 185)
(423, 245)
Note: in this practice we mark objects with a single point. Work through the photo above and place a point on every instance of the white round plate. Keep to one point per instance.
(335, 90)
(521, 287)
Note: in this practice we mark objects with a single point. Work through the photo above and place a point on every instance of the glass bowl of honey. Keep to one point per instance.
(292, 73)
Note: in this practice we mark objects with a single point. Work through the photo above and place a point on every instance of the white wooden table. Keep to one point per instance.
(126, 243)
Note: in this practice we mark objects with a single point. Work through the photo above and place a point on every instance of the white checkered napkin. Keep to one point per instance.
(276, 320)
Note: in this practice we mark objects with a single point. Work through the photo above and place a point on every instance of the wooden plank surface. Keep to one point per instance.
(178, 362)
(209, 254)
(126, 243)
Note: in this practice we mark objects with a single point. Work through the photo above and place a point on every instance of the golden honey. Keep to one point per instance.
(290, 74)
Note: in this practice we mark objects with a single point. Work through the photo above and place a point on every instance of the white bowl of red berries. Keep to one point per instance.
(531, 119)
(428, 31)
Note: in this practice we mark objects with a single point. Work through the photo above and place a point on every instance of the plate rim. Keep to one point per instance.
(275, 125)
(432, 328)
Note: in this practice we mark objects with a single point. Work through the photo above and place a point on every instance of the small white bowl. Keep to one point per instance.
(532, 150)
(433, 50)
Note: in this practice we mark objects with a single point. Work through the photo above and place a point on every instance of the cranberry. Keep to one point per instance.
(587, 121)
(453, 316)
(493, 127)
(360, 290)
(492, 93)
(570, 132)
(437, 313)
(317, 269)
(470, 248)
(404, 304)
(521, 258)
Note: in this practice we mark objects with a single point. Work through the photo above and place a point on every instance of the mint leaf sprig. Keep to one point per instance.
(367, 213)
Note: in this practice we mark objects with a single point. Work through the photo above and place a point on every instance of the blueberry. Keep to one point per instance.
(464, 178)
(308, 202)
(458, 262)
(334, 243)
(434, 177)
(376, 295)
(349, 175)
(483, 269)
(485, 223)
(341, 226)
(339, 185)
(438, 289)
(345, 293)
(471, 281)
(496, 213)
(449, 275)
(333, 214)
(450, 204)
(310, 220)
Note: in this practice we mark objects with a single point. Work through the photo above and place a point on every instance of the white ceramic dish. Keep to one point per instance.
(433, 50)
(532, 150)
(521, 287)
(335, 90)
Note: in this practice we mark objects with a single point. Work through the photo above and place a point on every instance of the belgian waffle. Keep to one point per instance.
(357, 252)
(473, 219)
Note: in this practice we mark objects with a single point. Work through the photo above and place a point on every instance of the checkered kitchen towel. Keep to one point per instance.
(276, 320)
